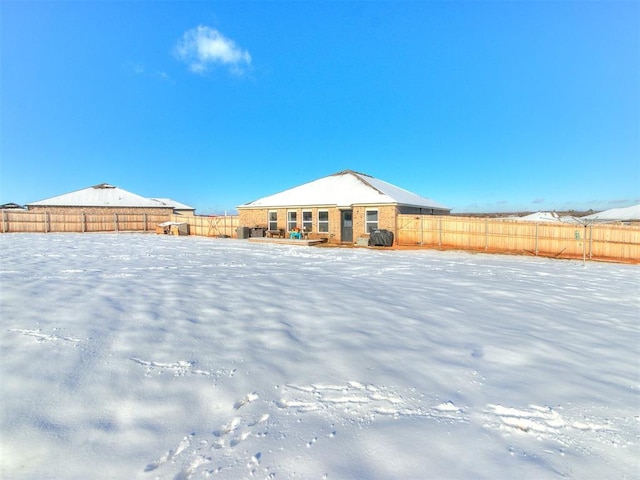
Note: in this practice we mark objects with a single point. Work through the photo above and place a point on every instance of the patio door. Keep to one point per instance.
(346, 226)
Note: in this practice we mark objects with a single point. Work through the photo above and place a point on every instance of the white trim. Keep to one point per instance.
(307, 223)
(367, 222)
(323, 222)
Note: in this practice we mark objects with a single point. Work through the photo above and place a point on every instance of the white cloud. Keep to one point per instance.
(203, 47)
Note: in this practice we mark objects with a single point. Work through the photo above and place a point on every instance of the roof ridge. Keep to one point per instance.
(352, 172)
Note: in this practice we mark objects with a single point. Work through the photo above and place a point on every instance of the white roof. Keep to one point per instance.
(344, 189)
(103, 195)
(542, 217)
(167, 202)
(616, 214)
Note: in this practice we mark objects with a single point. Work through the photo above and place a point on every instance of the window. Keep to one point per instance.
(292, 220)
(307, 221)
(323, 221)
(273, 220)
(371, 221)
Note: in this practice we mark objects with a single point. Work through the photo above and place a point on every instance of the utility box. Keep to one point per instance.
(243, 232)
(257, 232)
(363, 241)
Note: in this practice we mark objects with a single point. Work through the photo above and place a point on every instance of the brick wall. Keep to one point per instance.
(100, 210)
(259, 218)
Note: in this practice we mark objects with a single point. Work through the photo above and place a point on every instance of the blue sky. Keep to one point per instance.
(482, 106)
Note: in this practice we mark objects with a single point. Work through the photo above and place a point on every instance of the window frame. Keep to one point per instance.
(368, 224)
(307, 225)
(292, 220)
(323, 223)
(272, 224)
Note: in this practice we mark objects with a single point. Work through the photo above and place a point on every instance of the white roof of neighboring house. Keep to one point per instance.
(542, 217)
(167, 202)
(344, 189)
(616, 214)
(103, 195)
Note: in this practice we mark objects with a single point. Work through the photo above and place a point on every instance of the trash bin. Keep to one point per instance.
(257, 232)
(243, 232)
(381, 238)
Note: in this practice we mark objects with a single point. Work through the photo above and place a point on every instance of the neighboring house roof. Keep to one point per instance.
(167, 202)
(542, 217)
(102, 195)
(344, 189)
(615, 214)
(551, 217)
(11, 206)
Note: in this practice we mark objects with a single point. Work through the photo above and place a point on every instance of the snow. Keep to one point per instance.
(103, 195)
(552, 217)
(167, 357)
(616, 214)
(344, 189)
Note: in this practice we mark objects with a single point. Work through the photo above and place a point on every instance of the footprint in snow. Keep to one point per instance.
(171, 454)
(42, 337)
(355, 400)
(179, 368)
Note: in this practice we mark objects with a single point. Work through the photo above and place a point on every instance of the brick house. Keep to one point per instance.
(103, 199)
(340, 208)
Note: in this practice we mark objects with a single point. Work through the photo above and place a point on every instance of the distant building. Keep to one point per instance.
(102, 198)
(12, 206)
(178, 208)
(624, 214)
(340, 207)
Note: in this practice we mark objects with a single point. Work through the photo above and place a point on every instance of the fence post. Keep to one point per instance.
(46, 222)
(5, 221)
(536, 241)
(590, 240)
(145, 221)
(115, 222)
(486, 234)
(84, 222)
(439, 232)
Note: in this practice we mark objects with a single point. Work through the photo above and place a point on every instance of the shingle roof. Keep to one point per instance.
(102, 195)
(344, 189)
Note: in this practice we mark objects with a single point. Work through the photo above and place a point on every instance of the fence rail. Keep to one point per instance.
(45, 222)
(597, 241)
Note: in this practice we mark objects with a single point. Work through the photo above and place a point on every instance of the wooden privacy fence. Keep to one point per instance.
(562, 240)
(45, 222)
(210, 226)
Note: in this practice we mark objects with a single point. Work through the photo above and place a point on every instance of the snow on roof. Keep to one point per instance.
(102, 195)
(172, 203)
(344, 189)
(616, 214)
(542, 217)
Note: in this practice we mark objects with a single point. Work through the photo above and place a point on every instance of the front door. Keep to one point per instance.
(346, 226)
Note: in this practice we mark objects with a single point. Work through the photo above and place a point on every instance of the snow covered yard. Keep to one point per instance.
(159, 357)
